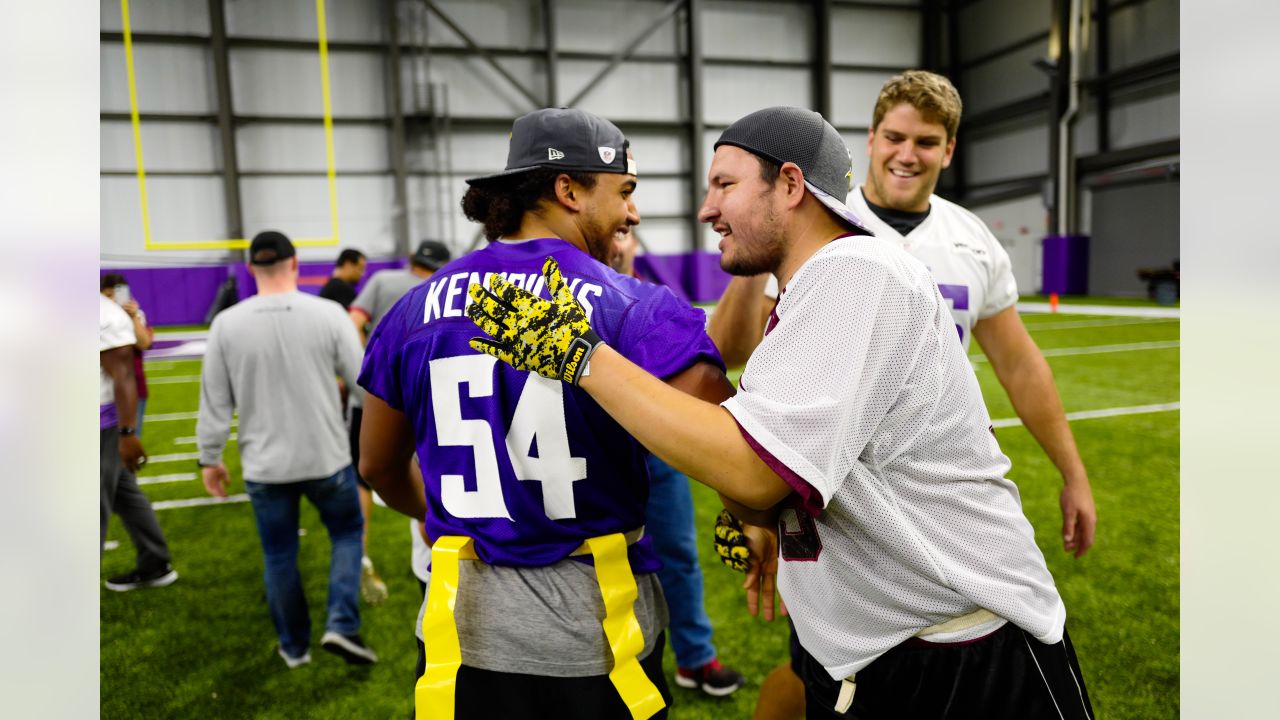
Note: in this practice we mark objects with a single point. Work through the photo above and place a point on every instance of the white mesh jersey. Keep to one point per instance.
(861, 399)
(115, 329)
(969, 264)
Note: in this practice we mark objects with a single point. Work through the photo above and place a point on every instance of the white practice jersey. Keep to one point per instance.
(115, 329)
(969, 264)
(861, 399)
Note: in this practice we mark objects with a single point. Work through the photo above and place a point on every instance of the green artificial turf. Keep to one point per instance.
(204, 647)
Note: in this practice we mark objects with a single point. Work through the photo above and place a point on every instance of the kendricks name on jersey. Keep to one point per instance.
(447, 296)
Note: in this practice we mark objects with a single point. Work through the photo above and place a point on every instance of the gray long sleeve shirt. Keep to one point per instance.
(276, 358)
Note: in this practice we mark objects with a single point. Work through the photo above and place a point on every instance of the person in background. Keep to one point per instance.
(115, 287)
(341, 287)
(121, 455)
(273, 357)
(366, 311)
(912, 139)
(669, 521)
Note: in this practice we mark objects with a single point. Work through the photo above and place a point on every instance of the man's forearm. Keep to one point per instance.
(735, 323)
(1035, 399)
(125, 388)
(698, 438)
(400, 488)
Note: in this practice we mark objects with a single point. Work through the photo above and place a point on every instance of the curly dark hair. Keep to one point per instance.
(500, 205)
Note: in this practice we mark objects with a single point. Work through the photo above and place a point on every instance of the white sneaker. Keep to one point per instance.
(349, 647)
(293, 662)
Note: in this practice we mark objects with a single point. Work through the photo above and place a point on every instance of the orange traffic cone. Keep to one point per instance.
(1053, 302)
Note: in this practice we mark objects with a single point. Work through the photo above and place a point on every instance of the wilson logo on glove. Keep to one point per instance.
(550, 337)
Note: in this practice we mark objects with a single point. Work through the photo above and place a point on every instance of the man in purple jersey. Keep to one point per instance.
(530, 477)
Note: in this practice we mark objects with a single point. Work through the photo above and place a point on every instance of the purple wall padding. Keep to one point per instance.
(173, 295)
(695, 277)
(182, 295)
(1065, 269)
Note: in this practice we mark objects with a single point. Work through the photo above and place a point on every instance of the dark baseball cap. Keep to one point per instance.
(431, 254)
(791, 134)
(566, 139)
(270, 247)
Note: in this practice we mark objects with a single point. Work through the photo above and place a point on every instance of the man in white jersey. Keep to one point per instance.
(909, 570)
(912, 138)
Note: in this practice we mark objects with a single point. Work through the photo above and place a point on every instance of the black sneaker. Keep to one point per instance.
(137, 579)
(349, 647)
(714, 679)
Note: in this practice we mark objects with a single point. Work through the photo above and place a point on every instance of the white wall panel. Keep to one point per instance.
(1144, 31)
(182, 209)
(644, 91)
(657, 152)
(853, 96)
(1023, 150)
(988, 25)
(170, 78)
(1019, 225)
(355, 20)
(165, 146)
(263, 147)
(475, 89)
(435, 212)
(662, 196)
(757, 31)
(1004, 80)
(1136, 122)
(287, 82)
(865, 36)
(610, 25)
(299, 207)
(728, 93)
(474, 151)
(158, 16)
(491, 23)
(665, 237)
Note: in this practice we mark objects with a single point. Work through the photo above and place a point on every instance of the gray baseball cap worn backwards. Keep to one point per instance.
(566, 139)
(792, 134)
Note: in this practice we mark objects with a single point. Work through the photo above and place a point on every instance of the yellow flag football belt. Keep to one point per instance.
(434, 693)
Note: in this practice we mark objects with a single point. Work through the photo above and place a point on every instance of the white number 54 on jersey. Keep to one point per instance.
(539, 416)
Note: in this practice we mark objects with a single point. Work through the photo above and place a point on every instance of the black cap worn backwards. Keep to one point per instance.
(566, 139)
(792, 134)
(430, 254)
(270, 247)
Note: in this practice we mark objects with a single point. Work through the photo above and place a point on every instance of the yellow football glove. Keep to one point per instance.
(731, 544)
(551, 338)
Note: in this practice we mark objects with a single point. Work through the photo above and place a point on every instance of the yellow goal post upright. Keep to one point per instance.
(150, 243)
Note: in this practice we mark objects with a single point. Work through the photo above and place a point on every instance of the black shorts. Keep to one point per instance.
(487, 694)
(357, 414)
(1005, 675)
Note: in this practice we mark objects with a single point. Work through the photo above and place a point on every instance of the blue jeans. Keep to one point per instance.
(275, 508)
(669, 521)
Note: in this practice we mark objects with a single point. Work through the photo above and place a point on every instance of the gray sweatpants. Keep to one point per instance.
(121, 495)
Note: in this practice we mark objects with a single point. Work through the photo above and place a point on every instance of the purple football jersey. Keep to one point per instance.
(528, 467)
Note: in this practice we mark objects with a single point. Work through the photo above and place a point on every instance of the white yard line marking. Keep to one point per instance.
(173, 380)
(179, 477)
(1038, 326)
(1099, 349)
(1117, 310)
(192, 440)
(163, 417)
(1103, 413)
(194, 502)
(175, 457)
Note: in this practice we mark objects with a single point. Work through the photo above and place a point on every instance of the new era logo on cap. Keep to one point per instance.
(554, 154)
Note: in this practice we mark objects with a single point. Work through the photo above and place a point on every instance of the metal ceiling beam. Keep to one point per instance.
(627, 51)
(551, 50)
(226, 126)
(484, 54)
(695, 128)
(821, 68)
(396, 137)
(1102, 56)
